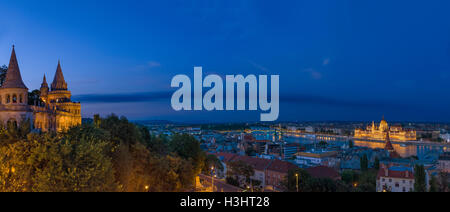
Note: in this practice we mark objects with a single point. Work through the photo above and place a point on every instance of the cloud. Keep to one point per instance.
(313, 73)
(153, 64)
(284, 98)
(335, 102)
(122, 97)
(149, 65)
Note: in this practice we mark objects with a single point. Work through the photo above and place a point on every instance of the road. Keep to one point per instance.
(219, 185)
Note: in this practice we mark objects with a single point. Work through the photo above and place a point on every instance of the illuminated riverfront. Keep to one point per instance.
(378, 132)
(404, 149)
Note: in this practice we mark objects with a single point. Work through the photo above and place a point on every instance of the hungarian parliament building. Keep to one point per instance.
(375, 132)
(54, 111)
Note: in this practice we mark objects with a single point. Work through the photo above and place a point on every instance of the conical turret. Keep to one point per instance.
(13, 77)
(44, 87)
(58, 82)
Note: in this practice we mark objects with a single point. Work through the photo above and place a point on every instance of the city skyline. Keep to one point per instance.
(338, 61)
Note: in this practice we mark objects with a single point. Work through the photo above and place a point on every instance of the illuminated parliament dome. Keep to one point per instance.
(383, 130)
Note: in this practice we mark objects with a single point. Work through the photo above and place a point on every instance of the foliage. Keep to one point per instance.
(3, 70)
(350, 177)
(350, 144)
(364, 163)
(433, 184)
(419, 178)
(34, 97)
(376, 164)
(188, 148)
(232, 181)
(303, 179)
(367, 182)
(111, 154)
(212, 161)
(240, 168)
(444, 184)
(49, 163)
(360, 181)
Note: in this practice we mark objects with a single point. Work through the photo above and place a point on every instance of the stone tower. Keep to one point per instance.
(14, 95)
(44, 90)
(55, 112)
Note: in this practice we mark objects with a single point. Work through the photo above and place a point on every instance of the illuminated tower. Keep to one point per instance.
(14, 95)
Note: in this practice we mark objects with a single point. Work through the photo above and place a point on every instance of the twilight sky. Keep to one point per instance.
(337, 60)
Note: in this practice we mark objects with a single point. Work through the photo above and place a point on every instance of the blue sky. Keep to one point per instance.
(337, 60)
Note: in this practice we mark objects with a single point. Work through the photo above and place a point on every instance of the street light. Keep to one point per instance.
(212, 178)
(296, 179)
(146, 188)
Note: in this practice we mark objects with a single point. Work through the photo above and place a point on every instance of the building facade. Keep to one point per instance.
(54, 111)
(379, 132)
(444, 162)
(395, 179)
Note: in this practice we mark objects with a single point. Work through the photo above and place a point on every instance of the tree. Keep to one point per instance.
(349, 177)
(367, 182)
(34, 97)
(212, 161)
(232, 181)
(97, 120)
(419, 178)
(320, 185)
(364, 163)
(376, 164)
(350, 144)
(291, 180)
(3, 70)
(113, 156)
(51, 163)
(433, 184)
(443, 182)
(187, 147)
(239, 169)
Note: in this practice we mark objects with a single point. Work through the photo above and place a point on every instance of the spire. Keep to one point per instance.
(44, 83)
(388, 146)
(58, 82)
(13, 77)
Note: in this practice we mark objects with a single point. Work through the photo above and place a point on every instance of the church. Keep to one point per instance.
(383, 132)
(53, 112)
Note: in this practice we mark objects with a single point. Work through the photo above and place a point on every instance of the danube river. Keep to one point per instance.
(404, 149)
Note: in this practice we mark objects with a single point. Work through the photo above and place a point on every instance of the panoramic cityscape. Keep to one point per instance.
(235, 98)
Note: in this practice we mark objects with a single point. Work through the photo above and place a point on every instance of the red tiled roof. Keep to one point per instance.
(248, 137)
(259, 164)
(281, 166)
(263, 141)
(323, 172)
(394, 174)
(227, 157)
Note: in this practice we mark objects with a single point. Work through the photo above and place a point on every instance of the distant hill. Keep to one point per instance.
(157, 122)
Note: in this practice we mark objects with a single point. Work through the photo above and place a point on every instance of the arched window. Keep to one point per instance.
(14, 98)
(21, 98)
(8, 99)
(12, 124)
(0, 99)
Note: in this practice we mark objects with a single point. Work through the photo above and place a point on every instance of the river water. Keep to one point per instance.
(403, 149)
